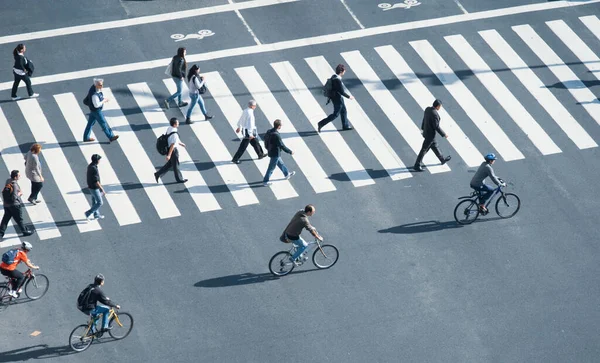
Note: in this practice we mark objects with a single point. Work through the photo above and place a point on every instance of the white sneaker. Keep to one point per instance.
(13, 293)
(267, 184)
(290, 174)
(15, 98)
(100, 216)
(35, 95)
(90, 218)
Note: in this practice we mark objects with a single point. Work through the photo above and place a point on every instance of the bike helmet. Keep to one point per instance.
(490, 157)
(98, 279)
(26, 246)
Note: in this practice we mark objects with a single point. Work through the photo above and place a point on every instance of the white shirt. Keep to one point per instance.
(195, 84)
(96, 100)
(173, 139)
(246, 122)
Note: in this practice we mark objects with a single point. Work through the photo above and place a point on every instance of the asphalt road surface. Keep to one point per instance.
(517, 78)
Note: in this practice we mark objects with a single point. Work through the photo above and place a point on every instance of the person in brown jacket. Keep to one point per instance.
(33, 172)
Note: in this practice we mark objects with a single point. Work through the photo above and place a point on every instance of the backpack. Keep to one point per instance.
(29, 67)
(87, 101)
(8, 193)
(267, 140)
(328, 88)
(83, 300)
(8, 257)
(162, 143)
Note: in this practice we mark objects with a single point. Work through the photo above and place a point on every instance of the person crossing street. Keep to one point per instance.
(247, 126)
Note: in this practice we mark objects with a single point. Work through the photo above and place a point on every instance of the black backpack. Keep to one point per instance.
(83, 300)
(7, 193)
(88, 99)
(328, 88)
(162, 143)
(267, 139)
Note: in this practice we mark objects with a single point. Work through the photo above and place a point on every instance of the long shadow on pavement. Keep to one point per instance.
(41, 351)
(243, 279)
(429, 226)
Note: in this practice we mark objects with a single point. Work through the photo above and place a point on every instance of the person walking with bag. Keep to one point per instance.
(429, 128)
(247, 126)
(338, 92)
(33, 172)
(22, 71)
(197, 87)
(173, 153)
(95, 100)
(177, 69)
(274, 145)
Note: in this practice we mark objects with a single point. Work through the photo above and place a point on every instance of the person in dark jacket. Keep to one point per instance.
(22, 71)
(97, 296)
(96, 189)
(429, 127)
(13, 206)
(338, 94)
(178, 72)
(274, 145)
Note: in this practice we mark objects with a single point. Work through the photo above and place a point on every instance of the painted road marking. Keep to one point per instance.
(287, 44)
(502, 94)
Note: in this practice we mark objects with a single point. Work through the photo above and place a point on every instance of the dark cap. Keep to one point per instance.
(96, 157)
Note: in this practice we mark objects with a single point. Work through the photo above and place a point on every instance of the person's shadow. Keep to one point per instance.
(242, 279)
(40, 351)
(429, 226)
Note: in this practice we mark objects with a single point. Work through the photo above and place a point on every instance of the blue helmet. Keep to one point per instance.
(490, 157)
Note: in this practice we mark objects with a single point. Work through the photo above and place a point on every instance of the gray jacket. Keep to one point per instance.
(16, 191)
(33, 168)
(485, 170)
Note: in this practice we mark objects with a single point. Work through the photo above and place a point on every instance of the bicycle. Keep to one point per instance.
(83, 335)
(34, 285)
(323, 257)
(467, 211)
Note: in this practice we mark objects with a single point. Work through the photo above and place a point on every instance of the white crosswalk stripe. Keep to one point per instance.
(196, 186)
(11, 155)
(282, 189)
(457, 138)
(217, 151)
(538, 90)
(502, 94)
(330, 136)
(58, 164)
(116, 197)
(592, 23)
(305, 159)
(392, 109)
(469, 103)
(378, 145)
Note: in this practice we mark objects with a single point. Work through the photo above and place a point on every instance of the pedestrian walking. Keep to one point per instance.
(95, 100)
(173, 154)
(247, 126)
(274, 145)
(338, 92)
(178, 69)
(13, 204)
(33, 172)
(22, 71)
(197, 87)
(96, 189)
(429, 127)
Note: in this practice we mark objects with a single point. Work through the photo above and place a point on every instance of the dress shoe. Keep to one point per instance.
(417, 168)
(207, 117)
(27, 232)
(348, 128)
(446, 159)
(183, 104)
(189, 121)
(183, 181)
(156, 177)
(89, 140)
(261, 156)
(319, 128)
(114, 138)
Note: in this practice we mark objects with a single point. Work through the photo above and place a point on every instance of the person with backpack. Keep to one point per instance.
(22, 71)
(178, 69)
(247, 125)
(173, 153)
(96, 189)
(10, 261)
(95, 100)
(274, 145)
(336, 91)
(196, 86)
(92, 301)
(13, 204)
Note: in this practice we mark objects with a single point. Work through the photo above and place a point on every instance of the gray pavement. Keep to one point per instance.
(411, 285)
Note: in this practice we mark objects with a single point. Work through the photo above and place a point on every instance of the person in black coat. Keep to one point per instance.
(22, 71)
(429, 127)
(337, 98)
(274, 145)
(178, 72)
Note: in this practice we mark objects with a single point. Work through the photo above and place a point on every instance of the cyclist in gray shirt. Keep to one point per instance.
(295, 227)
(485, 170)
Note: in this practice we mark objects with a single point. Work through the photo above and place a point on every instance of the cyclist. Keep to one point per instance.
(97, 296)
(485, 170)
(294, 228)
(10, 270)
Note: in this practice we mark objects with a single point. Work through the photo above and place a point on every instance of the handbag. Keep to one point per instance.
(169, 70)
(202, 90)
(29, 67)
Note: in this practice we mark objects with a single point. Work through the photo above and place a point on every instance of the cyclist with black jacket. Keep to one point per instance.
(97, 296)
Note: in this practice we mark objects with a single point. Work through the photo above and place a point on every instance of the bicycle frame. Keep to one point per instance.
(94, 319)
(308, 248)
(477, 193)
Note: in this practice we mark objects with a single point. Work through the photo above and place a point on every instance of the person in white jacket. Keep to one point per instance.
(195, 83)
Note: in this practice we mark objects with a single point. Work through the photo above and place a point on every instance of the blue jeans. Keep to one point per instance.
(275, 162)
(301, 246)
(485, 191)
(178, 83)
(96, 203)
(195, 98)
(101, 310)
(97, 116)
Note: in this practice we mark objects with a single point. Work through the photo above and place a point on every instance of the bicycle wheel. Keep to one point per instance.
(121, 325)
(80, 340)
(327, 258)
(37, 287)
(5, 298)
(508, 205)
(466, 212)
(281, 264)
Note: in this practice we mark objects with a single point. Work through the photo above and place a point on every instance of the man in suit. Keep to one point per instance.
(274, 145)
(337, 97)
(429, 127)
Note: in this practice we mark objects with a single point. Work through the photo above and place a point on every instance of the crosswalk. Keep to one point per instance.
(514, 119)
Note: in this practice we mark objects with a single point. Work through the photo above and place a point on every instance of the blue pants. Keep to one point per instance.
(177, 94)
(101, 310)
(97, 116)
(301, 246)
(195, 98)
(96, 203)
(275, 162)
(485, 191)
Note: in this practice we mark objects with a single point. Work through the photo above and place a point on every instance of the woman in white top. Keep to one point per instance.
(22, 71)
(33, 172)
(195, 83)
